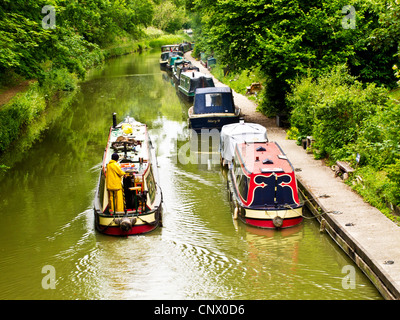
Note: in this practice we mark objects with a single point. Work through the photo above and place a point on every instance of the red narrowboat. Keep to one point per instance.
(263, 187)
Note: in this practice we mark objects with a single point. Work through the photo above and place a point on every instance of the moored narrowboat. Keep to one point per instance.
(234, 133)
(213, 108)
(170, 47)
(165, 56)
(183, 66)
(190, 80)
(263, 187)
(171, 61)
(141, 209)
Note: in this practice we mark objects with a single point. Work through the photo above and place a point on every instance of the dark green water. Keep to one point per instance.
(200, 253)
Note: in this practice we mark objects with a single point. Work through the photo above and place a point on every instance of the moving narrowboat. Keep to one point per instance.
(142, 195)
(191, 80)
(234, 133)
(263, 187)
(213, 107)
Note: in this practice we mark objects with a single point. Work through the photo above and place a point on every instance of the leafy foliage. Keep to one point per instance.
(81, 29)
(346, 118)
(287, 39)
(169, 17)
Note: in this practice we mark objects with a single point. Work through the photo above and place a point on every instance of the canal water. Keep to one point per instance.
(49, 246)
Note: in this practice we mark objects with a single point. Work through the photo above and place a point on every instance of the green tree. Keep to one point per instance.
(169, 17)
(287, 39)
(22, 37)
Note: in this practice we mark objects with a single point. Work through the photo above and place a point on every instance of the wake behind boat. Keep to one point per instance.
(141, 209)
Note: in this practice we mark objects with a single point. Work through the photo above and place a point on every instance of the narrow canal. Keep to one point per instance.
(200, 253)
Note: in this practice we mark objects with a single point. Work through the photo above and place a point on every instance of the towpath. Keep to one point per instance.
(10, 92)
(375, 237)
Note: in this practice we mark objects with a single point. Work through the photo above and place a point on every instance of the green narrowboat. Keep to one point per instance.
(190, 80)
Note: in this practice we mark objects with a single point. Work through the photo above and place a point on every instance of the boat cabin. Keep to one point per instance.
(191, 80)
(213, 100)
(165, 56)
(213, 108)
(170, 48)
(263, 177)
(234, 133)
(172, 59)
(184, 66)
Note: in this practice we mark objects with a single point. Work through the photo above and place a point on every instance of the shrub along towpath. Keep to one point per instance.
(363, 232)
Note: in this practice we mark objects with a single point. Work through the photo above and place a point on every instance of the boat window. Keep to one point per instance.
(244, 187)
(151, 186)
(242, 182)
(213, 100)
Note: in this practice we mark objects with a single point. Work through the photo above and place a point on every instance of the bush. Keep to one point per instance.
(345, 118)
(58, 79)
(336, 110)
(18, 113)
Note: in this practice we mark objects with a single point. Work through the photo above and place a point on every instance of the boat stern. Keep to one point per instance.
(272, 219)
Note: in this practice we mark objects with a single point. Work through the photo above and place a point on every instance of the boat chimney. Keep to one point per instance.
(114, 120)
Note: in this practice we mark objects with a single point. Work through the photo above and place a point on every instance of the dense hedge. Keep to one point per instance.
(346, 118)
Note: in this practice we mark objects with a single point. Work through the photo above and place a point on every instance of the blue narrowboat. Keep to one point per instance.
(213, 108)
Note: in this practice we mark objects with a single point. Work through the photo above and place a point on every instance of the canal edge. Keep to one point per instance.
(380, 278)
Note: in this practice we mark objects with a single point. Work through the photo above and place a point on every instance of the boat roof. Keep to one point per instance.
(213, 90)
(234, 133)
(213, 100)
(263, 157)
(194, 74)
(243, 129)
(133, 133)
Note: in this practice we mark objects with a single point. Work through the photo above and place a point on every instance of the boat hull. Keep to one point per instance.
(265, 218)
(214, 121)
(271, 219)
(143, 224)
(189, 96)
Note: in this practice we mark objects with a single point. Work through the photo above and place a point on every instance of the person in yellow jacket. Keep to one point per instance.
(114, 184)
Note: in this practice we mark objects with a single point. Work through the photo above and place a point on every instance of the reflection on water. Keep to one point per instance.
(200, 253)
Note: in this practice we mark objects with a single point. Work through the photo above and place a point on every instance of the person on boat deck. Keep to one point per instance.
(114, 184)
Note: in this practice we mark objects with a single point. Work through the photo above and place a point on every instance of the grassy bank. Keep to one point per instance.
(239, 81)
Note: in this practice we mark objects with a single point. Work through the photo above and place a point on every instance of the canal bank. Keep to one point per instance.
(368, 237)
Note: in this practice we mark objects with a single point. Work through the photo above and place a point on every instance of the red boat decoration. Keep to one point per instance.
(263, 186)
